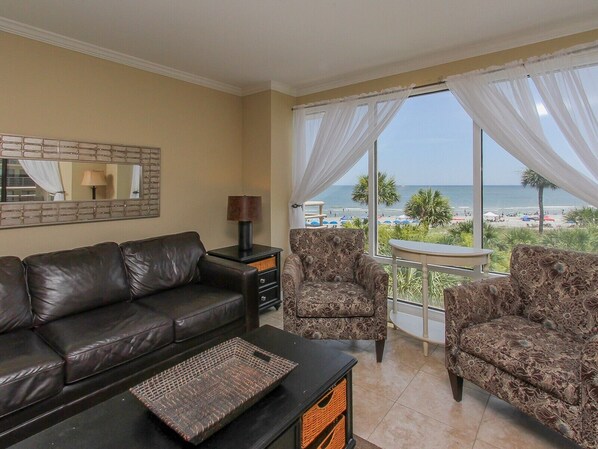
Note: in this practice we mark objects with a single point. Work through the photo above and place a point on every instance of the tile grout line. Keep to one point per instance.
(481, 421)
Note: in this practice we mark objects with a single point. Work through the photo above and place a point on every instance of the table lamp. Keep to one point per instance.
(244, 209)
(93, 178)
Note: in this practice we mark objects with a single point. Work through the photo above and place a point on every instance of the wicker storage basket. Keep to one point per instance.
(204, 393)
(333, 439)
(323, 413)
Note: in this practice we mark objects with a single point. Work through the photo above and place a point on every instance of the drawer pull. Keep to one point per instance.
(262, 281)
(262, 298)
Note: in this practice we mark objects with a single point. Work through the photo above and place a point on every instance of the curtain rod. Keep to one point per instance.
(353, 97)
(577, 49)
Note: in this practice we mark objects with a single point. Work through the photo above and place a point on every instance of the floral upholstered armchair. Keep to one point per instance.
(332, 289)
(532, 338)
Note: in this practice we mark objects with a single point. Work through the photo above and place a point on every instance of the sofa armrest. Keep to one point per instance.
(589, 392)
(292, 278)
(475, 303)
(235, 276)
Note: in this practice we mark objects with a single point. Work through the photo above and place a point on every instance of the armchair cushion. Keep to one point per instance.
(546, 359)
(333, 300)
(559, 288)
(328, 254)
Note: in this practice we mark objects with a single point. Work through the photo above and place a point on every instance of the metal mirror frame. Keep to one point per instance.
(41, 213)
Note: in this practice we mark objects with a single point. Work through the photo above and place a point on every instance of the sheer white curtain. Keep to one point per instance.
(45, 174)
(502, 103)
(569, 89)
(329, 140)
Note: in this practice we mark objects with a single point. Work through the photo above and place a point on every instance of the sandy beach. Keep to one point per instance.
(502, 221)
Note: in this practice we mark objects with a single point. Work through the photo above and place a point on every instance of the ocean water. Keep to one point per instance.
(514, 199)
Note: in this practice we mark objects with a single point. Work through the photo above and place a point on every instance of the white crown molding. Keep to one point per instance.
(270, 85)
(443, 57)
(30, 32)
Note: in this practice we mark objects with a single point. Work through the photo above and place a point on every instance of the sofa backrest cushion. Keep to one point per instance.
(15, 309)
(559, 288)
(63, 283)
(328, 255)
(161, 263)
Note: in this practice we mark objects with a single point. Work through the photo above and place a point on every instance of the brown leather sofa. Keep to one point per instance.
(81, 325)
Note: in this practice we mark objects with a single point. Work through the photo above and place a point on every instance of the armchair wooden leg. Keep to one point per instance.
(379, 350)
(456, 386)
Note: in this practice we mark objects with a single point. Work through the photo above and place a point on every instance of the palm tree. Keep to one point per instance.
(387, 190)
(430, 207)
(464, 231)
(533, 179)
(585, 216)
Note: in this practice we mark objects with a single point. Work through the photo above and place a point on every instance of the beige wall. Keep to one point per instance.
(267, 134)
(281, 135)
(51, 92)
(256, 160)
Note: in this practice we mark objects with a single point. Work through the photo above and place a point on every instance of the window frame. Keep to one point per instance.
(477, 200)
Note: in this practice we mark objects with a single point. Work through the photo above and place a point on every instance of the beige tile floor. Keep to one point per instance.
(406, 402)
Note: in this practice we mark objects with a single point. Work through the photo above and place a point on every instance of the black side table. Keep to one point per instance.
(267, 261)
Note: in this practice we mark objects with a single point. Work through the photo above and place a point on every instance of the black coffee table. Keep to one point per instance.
(123, 422)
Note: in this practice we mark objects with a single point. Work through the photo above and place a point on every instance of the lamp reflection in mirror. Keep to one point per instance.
(93, 178)
(244, 209)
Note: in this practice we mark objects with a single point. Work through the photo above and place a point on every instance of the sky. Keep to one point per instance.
(430, 142)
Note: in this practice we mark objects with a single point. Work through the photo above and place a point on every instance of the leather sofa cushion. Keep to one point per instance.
(100, 339)
(63, 283)
(29, 372)
(547, 359)
(15, 310)
(333, 300)
(162, 263)
(196, 309)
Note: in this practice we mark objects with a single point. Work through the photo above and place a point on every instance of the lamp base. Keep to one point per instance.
(245, 235)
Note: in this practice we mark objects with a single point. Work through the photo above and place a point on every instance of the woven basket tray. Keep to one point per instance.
(204, 393)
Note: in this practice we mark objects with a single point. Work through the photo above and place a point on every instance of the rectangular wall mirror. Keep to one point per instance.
(48, 181)
(22, 181)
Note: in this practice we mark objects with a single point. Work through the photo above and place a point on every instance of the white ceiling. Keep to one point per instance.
(300, 46)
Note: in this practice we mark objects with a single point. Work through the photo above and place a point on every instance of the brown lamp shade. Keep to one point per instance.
(93, 178)
(244, 208)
